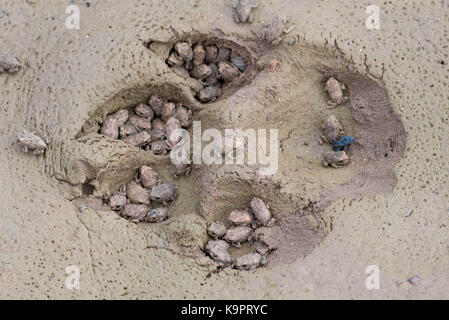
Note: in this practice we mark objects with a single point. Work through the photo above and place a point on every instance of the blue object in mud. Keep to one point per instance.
(342, 142)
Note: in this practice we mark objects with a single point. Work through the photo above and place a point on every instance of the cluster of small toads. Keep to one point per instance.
(333, 130)
(248, 225)
(206, 67)
(145, 199)
(148, 126)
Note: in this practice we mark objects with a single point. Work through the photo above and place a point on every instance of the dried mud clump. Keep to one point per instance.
(148, 126)
(252, 225)
(145, 199)
(207, 68)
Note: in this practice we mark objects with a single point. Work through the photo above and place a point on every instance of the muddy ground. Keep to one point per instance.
(388, 208)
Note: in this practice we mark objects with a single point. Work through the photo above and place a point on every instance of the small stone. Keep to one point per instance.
(209, 94)
(201, 71)
(148, 177)
(157, 215)
(241, 218)
(139, 122)
(145, 111)
(218, 250)
(135, 211)
(158, 147)
(156, 103)
(137, 194)
(139, 139)
(184, 115)
(227, 71)
(199, 54)
(168, 111)
(236, 235)
(127, 130)
(163, 193)
(117, 202)
(211, 54)
(249, 261)
(184, 50)
(261, 212)
(216, 229)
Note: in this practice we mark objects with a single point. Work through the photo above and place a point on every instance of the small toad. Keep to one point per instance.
(273, 32)
(250, 261)
(335, 89)
(242, 10)
(335, 159)
(32, 142)
(9, 63)
(332, 129)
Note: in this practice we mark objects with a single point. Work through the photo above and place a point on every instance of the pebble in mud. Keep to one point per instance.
(117, 202)
(261, 212)
(163, 193)
(137, 194)
(206, 68)
(216, 229)
(237, 235)
(242, 10)
(219, 251)
(331, 129)
(157, 215)
(335, 159)
(31, 142)
(242, 218)
(9, 63)
(250, 261)
(335, 89)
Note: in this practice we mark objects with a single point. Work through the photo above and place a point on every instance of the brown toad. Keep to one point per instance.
(242, 10)
(335, 89)
(9, 63)
(332, 129)
(335, 159)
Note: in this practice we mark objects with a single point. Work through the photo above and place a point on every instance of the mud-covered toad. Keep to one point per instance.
(31, 142)
(9, 63)
(335, 89)
(335, 159)
(242, 10)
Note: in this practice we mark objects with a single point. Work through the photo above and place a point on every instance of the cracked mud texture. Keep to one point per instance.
(390, 211)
